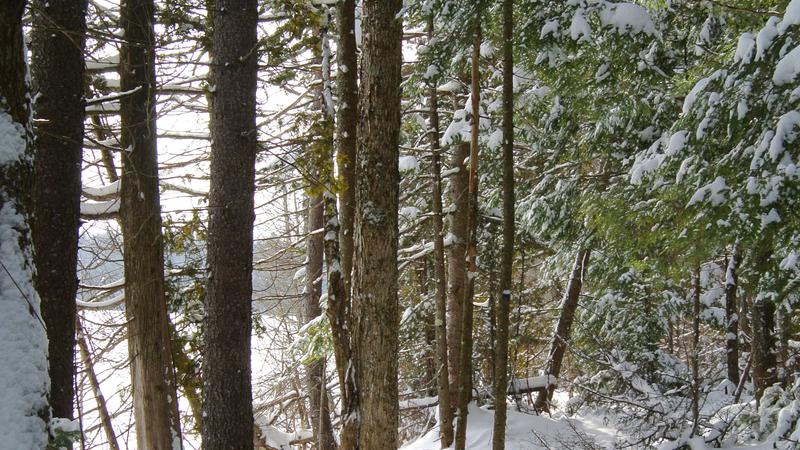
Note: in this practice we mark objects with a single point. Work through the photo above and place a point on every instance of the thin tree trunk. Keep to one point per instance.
(154, 395)
(561, 337)
(456, 262)
(375, 302)
(762, 323)
(339, 252)
(58, 36)
(507, 263)
(732, 318)
(24, 378)
(695, 358)
(315, 370)
(227, 390)
(465, 359)
(102, 408)
(347, 130)
(443, 383)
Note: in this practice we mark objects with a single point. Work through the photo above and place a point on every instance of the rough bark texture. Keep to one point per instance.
(347, 128)
(25, 426)
(375, 303)
(507, 263)
(465, 358)
(319, 413)
(732, 319)
(154, 395)
(440, 323)
(558, 346)
(456, 261)
(58, 35)
(339, 252)
(227, 390)
(695, 356)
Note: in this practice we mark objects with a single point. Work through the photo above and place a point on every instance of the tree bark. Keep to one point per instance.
(154, 395)
(375, 302)
(561, 337)
(58, 36)
(227, 390)
(695, 357)
(456, 261)
(24, 380)
(465, 358)
(347, 130)
(315, 370)
(339, 252)
(507, 263)
(440, 321)
(732, 318)
(762, 324)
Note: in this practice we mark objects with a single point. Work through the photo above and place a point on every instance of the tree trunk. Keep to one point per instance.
(456, 261)
(375, 303)
(315, 370)
(58, 36)
(558, 345)
(154, 395)
(227, 390)
(695, 357)
(440, 322)
(23, 340)
(732, 318)
(507, 263)
(339, 252)
(763, 345)
(465, 358)
(347, 129)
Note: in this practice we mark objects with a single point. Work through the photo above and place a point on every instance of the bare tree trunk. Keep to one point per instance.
(465, 359)
(695, 357)
(456, 262)
(102, 408)
(24, 378)
(58, 36)
(443, 382)
(315, 370)
(154, 395)
(339, 252)
(507, 264)
(375, 302)
(762, 323)
(732, 318)
(227, 390)
(561, 337)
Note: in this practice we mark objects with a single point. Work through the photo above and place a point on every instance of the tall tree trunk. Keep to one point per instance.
(23, 340)
(465, 358)
(762, 323)
(155, 402)
(340, 251)
(315, 370)
(58, 35)
(507, 263)
(457, 262)
(763, 345)
(347, 129)
(375, 303)
(561, 337)
(695, 357)
(227, 390)
(732, 318)
(440, 322)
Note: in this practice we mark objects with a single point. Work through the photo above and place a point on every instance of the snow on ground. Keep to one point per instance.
(526, 432)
